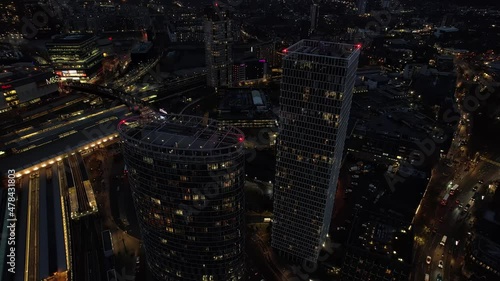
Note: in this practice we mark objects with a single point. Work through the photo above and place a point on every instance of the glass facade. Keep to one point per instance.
(75, 56)
(187, 177)
(218, 49)
(316, 93)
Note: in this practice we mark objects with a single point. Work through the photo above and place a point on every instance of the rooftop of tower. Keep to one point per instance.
(323, 48)
(180, 132)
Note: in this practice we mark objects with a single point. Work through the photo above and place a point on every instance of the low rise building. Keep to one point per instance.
(23, 84)
(245, 108)
(379, 248)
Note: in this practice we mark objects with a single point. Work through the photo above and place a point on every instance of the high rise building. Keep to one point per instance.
(361, 6)
(316, 94)
(187, 177)
(75, 56)
(218, 47)
(314, 17)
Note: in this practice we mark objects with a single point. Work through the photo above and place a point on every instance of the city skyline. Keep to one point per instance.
(237, 140)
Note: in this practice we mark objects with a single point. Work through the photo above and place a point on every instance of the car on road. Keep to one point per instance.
(348, 191)
(480, 181)
(460, 205)
(440, 264)
(457, 201)
(355, 176)
(428, 260)
(466, 209)
(439, 278)
(354, 183)
(441, 219)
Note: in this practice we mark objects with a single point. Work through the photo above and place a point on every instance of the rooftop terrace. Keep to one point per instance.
(179, 133)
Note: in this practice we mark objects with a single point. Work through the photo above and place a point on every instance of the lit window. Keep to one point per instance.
(148, 160)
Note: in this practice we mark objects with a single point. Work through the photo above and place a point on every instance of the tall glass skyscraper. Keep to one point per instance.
(187, 177)
(218, 47)
(316, 94)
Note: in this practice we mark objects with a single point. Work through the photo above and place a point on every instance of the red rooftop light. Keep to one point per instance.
(285, 51)
(358, 46)
(240, 139)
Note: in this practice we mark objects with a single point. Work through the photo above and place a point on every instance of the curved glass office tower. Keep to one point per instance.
(187, 177)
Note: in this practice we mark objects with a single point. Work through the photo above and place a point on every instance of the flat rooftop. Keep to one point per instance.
(22, 72)
(142, 48)
(57, 147)
(180, 132)
(487, 251)
(242, 99)
(382, 235)
(323, 48)
(71, 38)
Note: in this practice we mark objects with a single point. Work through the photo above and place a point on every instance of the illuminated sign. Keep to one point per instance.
(73, 73)
(52, 80)
(6, 87)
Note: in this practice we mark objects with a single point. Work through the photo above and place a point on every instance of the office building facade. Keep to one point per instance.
(314, 17)
(187, 177)
(23, 84)
(218, 48)
(75, 57)
(316, 94)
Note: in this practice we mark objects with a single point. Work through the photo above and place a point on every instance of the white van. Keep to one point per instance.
(443, 241)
